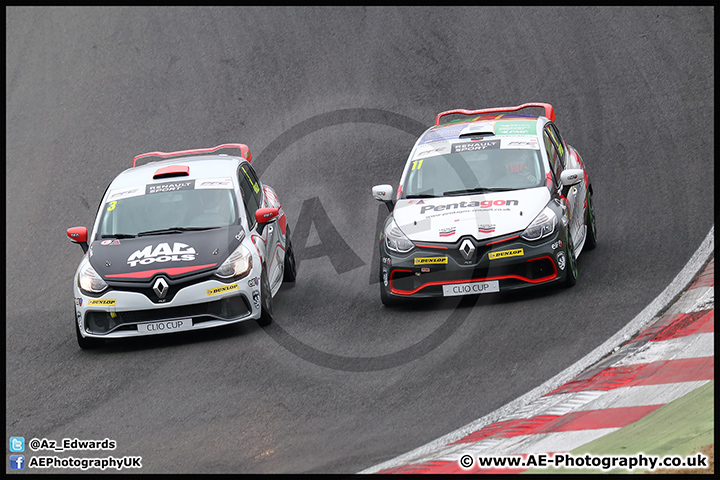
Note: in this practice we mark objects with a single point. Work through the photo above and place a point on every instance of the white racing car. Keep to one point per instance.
(490, 203)
(192, 241)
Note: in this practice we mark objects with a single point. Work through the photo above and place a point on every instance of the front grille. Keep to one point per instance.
(229, 308)
(527, 272)
(175, 284)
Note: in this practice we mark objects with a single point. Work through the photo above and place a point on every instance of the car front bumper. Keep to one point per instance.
(505, 263)
(120, 313)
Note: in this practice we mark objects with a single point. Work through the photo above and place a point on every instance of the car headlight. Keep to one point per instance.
(238, 264)
(542, 226)
(89, 281)
(396, 240)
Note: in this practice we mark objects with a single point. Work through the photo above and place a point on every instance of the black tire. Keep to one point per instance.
(86, 343)
(289, 267)
(591, 238)
(266, 304)
(571, 268)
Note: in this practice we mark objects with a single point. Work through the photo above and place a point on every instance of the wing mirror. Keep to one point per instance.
(263, 216)
(384, 194)
(79, 235)
(571, 177)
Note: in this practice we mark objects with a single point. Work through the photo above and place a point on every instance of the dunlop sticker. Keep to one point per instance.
(105, 302)
(429, 260)
(223, 289)
(518, 252)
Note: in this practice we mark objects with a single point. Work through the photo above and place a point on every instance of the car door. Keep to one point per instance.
(556, 156)
(252, 189)
(577, 193)
(251, 206)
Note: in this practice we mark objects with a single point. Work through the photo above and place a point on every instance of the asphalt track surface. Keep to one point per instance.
(330, 101)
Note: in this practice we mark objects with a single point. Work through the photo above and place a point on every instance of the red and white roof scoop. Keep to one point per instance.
(244, 152)
(549, 111)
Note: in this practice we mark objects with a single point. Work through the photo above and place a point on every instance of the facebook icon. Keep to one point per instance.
(17, 462)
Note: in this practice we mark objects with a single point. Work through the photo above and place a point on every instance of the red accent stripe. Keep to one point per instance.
(282, 223)
(501, 241)
(654, 373)
(430, 246)
(169, 271)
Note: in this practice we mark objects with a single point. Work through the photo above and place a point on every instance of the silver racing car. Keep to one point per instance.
(194, 240)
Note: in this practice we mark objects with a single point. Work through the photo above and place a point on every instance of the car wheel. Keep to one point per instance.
(290, 267)
(86, 343)
(571, 273)
(266, 305)
(591, 239)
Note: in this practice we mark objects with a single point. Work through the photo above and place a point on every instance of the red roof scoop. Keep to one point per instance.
(172, 171)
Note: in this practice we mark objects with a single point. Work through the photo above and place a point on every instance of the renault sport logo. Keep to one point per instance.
(162, 253)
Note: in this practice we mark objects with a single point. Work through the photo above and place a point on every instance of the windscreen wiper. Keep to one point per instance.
(118, 235)
(421, 195)
(476, 190)
(164, 231)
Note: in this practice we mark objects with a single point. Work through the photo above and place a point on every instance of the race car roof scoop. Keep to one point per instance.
(172, 171)
(477, 130)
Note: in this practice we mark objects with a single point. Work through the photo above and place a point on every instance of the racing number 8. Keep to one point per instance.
(112, 206)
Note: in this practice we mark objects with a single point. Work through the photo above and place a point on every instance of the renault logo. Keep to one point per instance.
(467, 249)
(160, 288)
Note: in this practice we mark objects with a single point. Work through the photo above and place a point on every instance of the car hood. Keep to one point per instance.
(489, 215)
(178, 254)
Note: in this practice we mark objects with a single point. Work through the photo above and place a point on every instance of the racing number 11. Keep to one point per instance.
(417, 164)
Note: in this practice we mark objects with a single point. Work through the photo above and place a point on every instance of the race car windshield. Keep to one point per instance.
(474, 172)
(168, 212)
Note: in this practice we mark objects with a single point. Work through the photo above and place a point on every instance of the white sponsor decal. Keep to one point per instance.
(474, 146)
(471, 288)
(561, 260)
(162, 253)
(219, 182)
(169, 187)
(529, 143)
(166, 326)
(431, 150)
(120, 193)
